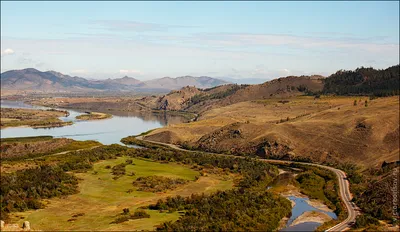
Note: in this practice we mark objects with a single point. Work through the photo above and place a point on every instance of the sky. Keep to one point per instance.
(148, 40)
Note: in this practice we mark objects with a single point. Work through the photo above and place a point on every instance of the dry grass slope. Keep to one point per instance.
(330, 129)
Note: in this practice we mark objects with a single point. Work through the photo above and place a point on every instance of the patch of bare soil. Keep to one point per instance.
(319, 205)
(311, 216)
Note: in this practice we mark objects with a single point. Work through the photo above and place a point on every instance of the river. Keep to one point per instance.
(122, 124)
(107, 131)
(302, 206)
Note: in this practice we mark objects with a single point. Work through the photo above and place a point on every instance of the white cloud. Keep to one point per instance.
(79, 71)
(294, 41)
(286, 71)
(7, 51)
(132, 71)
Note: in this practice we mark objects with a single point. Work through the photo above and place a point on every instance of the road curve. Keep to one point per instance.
(344, 185)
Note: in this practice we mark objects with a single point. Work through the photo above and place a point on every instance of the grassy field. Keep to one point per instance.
(33, 118)
(101, 197)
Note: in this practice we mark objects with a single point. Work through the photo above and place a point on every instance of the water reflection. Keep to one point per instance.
(301, 206)
(106, 131)
(162, 118)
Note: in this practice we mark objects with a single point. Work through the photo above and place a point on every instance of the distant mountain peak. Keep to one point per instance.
(31, 79)
(28, 70)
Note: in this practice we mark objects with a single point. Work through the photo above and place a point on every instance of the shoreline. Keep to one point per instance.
(311, 216)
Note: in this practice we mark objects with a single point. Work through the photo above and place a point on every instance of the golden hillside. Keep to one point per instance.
(328, 129)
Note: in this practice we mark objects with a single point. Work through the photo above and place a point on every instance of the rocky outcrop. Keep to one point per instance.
(274, 150)
(237, 138)
(26, 226)
(177, 100)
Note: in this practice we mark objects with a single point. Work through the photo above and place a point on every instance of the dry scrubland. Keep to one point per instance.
(333, 129)
(25, 152)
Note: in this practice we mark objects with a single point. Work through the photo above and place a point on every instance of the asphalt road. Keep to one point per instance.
(344, 185)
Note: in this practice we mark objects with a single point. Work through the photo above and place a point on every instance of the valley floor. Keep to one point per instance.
(101, 198)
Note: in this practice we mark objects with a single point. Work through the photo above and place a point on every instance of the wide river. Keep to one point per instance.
(107, 131)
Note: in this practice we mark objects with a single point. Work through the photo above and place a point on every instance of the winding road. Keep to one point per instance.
(344, 185)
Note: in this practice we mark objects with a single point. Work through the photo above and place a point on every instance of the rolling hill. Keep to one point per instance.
(311, 118)
(199, 100)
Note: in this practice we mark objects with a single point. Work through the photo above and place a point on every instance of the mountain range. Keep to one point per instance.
(32, 80)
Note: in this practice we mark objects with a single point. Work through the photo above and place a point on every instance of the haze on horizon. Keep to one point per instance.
(148, 40)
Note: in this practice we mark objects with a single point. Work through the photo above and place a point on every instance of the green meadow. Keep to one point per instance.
(102, 198)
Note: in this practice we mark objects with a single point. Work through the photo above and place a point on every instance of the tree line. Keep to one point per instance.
(364, 81)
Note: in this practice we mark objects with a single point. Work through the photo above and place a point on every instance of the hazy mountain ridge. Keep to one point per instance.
(179, 82)
(50, 81)
(125, 81)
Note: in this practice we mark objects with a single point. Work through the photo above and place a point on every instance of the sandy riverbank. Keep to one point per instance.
(311, 216)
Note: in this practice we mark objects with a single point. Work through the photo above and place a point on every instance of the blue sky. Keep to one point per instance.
(149, 40)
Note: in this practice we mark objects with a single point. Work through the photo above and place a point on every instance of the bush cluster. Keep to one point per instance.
(157, 183)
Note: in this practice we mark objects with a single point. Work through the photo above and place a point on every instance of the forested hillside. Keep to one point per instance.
(364, 81)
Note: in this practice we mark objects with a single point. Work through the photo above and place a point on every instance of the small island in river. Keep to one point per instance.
(93, 116)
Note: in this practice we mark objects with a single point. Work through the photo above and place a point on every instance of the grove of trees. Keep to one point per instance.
(364, 81)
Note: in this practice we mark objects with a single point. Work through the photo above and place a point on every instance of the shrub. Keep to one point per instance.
(118, 170)
(157, 183)
(140, 213)
(125, 215)
(125, 211)
(121, 218)
(365, 220)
